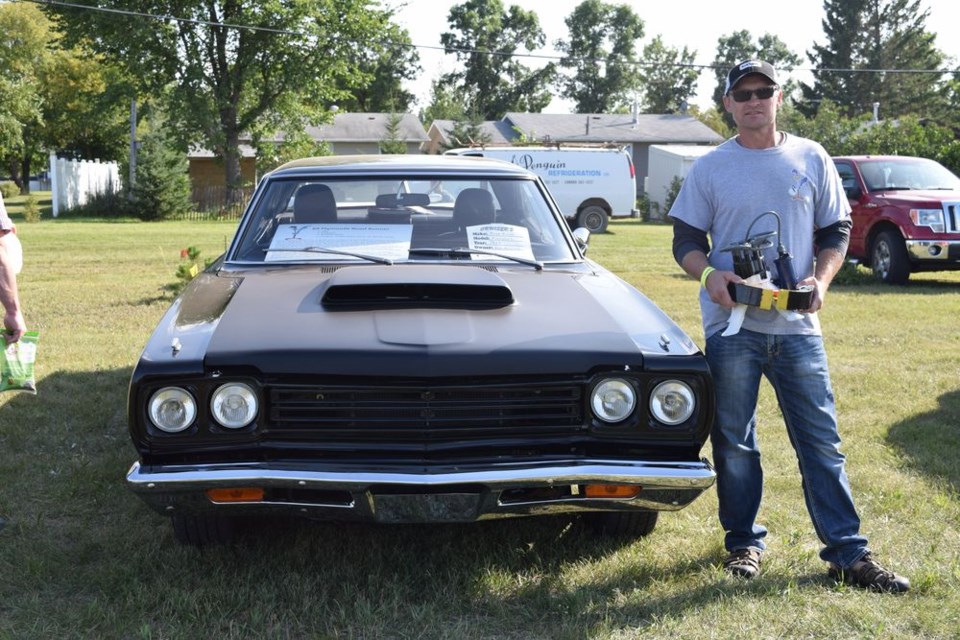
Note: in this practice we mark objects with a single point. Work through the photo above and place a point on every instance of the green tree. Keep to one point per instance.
(54, 98)
(467, 133)
(25, 35)
(668, 77)
(392, 142)
(446, 103)
(601, 56)
(162, 189)
(384, 66)
(295, 145)
(281, 70)
(484, 37)
(86, 106)
(877, 51)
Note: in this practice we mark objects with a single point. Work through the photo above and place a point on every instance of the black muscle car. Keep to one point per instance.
(414, 339)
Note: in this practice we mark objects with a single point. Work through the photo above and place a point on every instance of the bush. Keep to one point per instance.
(102, 205)
(9, 189)
(189, 268)
(31, 209)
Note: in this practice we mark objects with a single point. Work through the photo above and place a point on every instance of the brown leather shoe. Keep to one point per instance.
(744, 563)
(867, 573)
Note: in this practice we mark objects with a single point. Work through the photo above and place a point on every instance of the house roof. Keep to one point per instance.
(346, 127)
(498, 131)
(368, 127)
(616, 127)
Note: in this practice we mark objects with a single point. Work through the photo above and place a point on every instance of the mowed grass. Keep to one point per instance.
(81, 557)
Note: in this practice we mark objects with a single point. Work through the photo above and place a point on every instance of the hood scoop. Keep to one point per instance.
(415, 287)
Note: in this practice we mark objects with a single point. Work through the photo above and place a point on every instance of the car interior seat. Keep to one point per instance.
(314, 204)
(473, 207)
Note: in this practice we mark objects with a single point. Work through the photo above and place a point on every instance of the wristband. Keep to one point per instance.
(703, 276)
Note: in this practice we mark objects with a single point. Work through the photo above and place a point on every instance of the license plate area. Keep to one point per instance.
(442, 507)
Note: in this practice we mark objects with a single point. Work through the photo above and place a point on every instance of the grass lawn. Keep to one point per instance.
(82, 557)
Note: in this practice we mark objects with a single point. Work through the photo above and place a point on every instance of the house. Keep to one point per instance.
(349, 133)
(638, 131)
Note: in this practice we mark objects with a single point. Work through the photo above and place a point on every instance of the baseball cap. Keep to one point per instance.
(747, 67)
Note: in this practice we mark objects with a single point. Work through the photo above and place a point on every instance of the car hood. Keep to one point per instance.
(907, 197)
(421, 320)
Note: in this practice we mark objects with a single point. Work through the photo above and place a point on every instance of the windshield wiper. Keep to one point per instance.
(463, 251)
(339, 252)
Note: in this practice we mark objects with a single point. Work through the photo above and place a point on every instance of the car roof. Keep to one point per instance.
(400, 164)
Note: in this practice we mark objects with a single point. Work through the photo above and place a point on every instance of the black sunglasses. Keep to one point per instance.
(763, 93)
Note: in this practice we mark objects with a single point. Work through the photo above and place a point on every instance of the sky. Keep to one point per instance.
(696, 25)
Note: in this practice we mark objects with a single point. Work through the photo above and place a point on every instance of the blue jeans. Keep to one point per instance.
(796, 366)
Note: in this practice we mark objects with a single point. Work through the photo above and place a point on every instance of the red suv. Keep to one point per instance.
(906, 214)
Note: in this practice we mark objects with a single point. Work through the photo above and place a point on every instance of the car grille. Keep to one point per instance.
(425, 415)
(952, 211)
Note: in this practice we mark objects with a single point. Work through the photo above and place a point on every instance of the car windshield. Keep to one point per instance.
(399, 219)
(907, 173)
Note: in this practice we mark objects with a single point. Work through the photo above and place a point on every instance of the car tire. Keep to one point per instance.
(888, 258)
(202, 531)
(593, 218)
(623, 524)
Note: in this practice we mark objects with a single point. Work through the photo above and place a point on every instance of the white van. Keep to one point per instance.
(589, 184)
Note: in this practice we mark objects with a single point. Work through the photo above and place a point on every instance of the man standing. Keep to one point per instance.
(725, 193)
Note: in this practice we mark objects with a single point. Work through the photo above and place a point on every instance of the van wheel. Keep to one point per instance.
(202, 531)
(593, 218)
(889, 258)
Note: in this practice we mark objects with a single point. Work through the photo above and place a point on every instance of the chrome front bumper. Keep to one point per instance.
(927, 250)
(441, 494)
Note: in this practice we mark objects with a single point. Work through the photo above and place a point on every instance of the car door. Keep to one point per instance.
(854, 189)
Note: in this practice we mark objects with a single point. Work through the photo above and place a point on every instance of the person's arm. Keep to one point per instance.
(690, 248)
(9, 296)
(832, 244)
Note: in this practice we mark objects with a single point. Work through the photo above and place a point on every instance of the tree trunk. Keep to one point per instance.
(231, 167)
(25, 165)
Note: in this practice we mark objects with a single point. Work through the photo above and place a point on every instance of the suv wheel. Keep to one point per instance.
(202, 531)
(889, 258)
(623, 524)
(593, 218)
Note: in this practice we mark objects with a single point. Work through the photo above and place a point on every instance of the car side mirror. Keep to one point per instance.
(582, 236)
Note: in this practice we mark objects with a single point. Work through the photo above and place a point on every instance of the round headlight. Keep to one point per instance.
(234, 405)
(613, 400)
(672, 402)
(172, 409)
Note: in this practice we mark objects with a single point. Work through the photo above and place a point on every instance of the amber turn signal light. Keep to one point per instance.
(611, 490)
(236, 494)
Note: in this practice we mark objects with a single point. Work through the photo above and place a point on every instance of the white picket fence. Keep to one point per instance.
(74, 182)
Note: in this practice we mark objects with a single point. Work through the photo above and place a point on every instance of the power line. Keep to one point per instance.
(505, 54)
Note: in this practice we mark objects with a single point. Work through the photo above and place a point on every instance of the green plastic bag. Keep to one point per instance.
(16, 364)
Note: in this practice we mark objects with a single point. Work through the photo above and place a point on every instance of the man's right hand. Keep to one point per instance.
(15, 327)
(716, 286)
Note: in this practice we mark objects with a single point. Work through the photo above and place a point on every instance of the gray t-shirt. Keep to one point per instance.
(725, 192)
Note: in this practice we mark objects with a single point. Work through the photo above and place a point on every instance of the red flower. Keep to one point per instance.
(184, 253)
